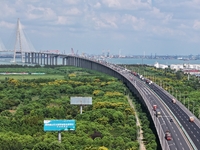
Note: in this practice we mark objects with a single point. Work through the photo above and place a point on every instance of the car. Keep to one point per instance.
(171, 120)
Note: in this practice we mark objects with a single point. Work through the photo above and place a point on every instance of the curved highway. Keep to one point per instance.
(191, 128)
(148, 95)
(163, 124)
(178, 142)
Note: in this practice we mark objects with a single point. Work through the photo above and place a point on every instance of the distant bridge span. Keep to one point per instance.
(138, 87)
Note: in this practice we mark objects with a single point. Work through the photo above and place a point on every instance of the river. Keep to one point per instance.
(150, 61)
(124, 61)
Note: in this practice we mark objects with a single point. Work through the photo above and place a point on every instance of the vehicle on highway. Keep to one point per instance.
(158, 113)
(154, 107)
(168, 136)
(191, 119)
(171, 120)
(134, 73)
(173, 100)
(148, 81)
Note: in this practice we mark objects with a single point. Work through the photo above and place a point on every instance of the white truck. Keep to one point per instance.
(158, 112)
(173, 100)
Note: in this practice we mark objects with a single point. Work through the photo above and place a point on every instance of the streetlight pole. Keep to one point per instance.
(172, 91)
(193, 108)
(184, 100)
(169, 89)
(199, 112)
(154, 78)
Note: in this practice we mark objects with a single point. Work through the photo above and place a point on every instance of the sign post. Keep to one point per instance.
(59, 136)
(59, 125)
(81, 101)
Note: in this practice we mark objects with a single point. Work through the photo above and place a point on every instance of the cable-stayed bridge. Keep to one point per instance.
(21, 46)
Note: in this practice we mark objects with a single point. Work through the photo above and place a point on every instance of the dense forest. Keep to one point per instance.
(27, 100)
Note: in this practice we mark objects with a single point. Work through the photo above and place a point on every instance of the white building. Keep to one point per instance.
(176, 66)
(157, 65)
(192, 69)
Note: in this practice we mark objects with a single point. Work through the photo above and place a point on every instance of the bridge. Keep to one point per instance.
(185, 135)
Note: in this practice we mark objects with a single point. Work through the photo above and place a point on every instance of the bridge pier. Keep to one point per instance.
(41, 58)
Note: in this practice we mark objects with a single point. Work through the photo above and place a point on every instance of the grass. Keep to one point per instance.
(2, 77)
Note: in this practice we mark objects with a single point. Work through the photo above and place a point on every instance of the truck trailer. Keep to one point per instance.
(168, 136)
(154, 107)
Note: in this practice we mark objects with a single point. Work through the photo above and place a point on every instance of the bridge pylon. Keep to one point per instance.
(22, 43)
(18, 43)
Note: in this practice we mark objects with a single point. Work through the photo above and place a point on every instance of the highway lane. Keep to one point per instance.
(191, 128)
(178, 141)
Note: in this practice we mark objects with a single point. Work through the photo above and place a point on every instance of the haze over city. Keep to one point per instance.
(131, 27)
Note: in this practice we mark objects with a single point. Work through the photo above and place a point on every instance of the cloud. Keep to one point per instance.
(71, 2)
(72, 11)
(191, 3)
(103, 23)
(160, 30)
(136, 24)
(112, 3)
(97, 5)
(127, 4)
(62, 20)
(6, 10)
(167, 18)
(40, 13)
(4, 24)
(196, 25)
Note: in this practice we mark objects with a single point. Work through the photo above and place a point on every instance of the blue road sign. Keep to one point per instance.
(59, 125)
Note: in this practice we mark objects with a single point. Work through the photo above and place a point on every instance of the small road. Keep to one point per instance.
(140, 137)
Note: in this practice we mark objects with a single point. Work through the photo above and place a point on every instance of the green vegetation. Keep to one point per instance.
(185, 89)
(26, 102)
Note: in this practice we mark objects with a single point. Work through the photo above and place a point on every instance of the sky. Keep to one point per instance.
(125, 27)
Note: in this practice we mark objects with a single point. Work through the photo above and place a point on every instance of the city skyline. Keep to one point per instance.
(128, 27)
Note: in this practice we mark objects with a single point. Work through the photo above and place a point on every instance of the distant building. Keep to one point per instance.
(157, 65)
(176, 66)
(193, 69)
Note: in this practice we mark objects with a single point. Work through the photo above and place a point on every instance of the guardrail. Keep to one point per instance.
(156, 122)
(184, 131)
(188, 112)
